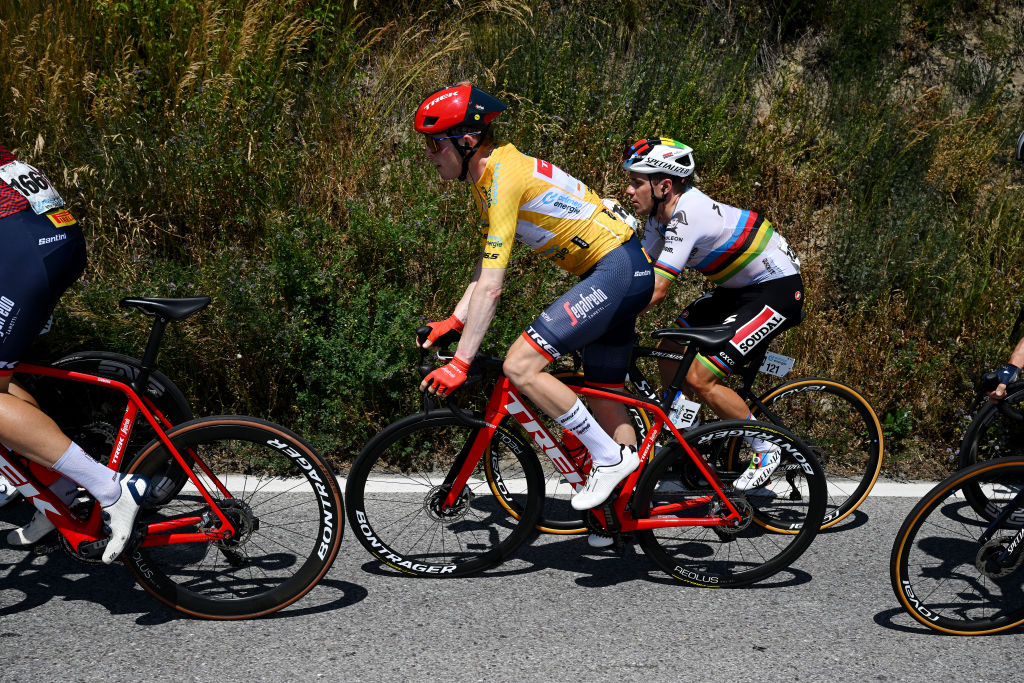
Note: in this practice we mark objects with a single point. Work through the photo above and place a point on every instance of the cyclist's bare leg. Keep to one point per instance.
(723, 400)
(27, 429)
(524, 366)
(614, 419)
(702, 384)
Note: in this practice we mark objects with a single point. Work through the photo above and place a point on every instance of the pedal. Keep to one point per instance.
(91, 551)
(611, 520)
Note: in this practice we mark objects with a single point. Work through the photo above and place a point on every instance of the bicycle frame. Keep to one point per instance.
(506, 400)
(748, 374)
(88, 530)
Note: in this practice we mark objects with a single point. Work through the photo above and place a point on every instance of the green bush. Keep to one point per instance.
(262, 153)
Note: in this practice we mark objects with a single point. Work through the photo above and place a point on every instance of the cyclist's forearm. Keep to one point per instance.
(482, 305)
(1017, 357)
(462, 308)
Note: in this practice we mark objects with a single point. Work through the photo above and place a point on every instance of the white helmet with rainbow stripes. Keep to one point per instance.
(659, 155)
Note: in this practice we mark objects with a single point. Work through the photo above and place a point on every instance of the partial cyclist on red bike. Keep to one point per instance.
(43, 254)
(758, 290)
(535, 202)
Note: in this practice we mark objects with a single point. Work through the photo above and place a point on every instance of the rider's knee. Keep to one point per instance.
(516, 368)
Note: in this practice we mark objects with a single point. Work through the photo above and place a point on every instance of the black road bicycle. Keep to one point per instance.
(997, 428)
(956, 569)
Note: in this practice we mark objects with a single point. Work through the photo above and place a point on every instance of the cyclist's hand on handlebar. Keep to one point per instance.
(443, 332)
(446, 378)
(1006, 374)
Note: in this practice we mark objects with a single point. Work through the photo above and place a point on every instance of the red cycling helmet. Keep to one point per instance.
(457, 105)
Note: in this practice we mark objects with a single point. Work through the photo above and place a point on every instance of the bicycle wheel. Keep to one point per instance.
(842, 431)
(940, 572)
(282, 498)
(993, 433)
(791, 502)
(397, 484)
(90, 415)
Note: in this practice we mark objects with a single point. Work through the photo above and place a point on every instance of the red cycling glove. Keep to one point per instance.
(440, 329)
(447, 378)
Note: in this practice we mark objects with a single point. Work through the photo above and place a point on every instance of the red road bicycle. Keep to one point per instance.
(449, 492)
(242, 518)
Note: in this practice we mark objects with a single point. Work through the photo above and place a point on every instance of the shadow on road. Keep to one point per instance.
(46, 573)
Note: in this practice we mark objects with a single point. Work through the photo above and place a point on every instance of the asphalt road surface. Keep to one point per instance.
(555, 610)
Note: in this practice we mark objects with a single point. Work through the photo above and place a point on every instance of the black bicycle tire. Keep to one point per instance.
(262, 507)
(661, 478)
(366, 525)
(913, 595)
(836, 510)
(971, 451)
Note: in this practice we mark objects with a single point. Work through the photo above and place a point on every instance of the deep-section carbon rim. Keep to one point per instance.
(843, 432)
(786, 511)
(396, 490)
(940, 571)
(284, 502)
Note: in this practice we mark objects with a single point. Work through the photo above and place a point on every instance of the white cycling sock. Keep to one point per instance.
(580, 422)
(101, 481)
(759, 445)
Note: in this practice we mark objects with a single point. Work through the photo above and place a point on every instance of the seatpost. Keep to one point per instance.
(149, 357)
(677, 382)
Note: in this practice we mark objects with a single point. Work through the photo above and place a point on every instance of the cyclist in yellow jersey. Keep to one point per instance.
(561, 219)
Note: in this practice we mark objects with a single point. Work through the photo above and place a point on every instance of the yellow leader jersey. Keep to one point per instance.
(546, 209)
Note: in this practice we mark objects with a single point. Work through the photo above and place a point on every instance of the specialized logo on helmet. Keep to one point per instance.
(661, 163)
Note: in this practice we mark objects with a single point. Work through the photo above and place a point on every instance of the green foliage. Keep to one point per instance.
(262, 153)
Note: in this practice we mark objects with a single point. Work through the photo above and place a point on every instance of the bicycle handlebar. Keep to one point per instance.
(986, 383)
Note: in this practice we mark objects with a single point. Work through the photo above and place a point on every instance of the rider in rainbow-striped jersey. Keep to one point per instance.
(758, 290)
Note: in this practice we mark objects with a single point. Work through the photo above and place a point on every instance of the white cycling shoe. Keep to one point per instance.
(604, 478)
(119, 516)
(8, 494)
(762, 465)
(31, 533)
